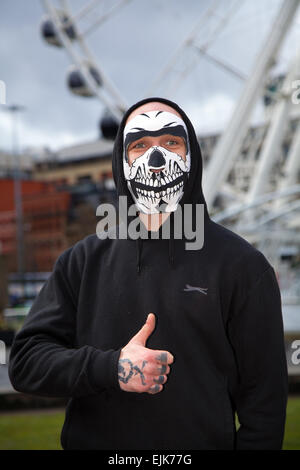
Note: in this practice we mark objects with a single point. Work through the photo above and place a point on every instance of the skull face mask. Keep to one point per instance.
(157, 175)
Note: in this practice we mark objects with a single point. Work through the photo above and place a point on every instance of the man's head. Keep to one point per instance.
(156, 158)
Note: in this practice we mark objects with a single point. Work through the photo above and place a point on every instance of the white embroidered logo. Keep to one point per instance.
(189, 288)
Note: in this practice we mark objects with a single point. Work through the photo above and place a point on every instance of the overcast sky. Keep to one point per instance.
(131, 47)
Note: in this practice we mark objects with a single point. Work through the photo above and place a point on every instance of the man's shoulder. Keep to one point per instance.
(87, 248)
(235, 250)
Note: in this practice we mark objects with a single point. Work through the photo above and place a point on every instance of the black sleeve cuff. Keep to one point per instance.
(103, 370)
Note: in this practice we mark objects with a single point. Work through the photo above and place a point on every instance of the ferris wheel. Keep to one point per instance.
(62, 27)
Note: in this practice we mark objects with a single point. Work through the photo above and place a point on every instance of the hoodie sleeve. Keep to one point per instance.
(256, 332)
(44, 359)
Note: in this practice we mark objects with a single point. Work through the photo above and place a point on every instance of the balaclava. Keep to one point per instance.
(163, 188)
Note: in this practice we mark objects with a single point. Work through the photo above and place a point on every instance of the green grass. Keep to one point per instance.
(41, 430)
(36, 431)
(292, 427)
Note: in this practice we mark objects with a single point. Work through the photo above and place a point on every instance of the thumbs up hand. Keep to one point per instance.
(141, 369)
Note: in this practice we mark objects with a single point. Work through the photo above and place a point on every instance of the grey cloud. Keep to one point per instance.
(132, 47)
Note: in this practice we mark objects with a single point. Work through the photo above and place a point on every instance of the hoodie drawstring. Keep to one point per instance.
(139, 247)
(171, 240)
(171, 252)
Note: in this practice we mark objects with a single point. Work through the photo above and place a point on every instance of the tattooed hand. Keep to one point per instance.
(141, 369)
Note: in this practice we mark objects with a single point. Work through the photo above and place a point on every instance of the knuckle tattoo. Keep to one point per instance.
(162, 357)
(162, 369)
(155, 388)
(159, 380)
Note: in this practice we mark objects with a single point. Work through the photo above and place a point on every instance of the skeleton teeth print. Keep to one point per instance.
(166, 184)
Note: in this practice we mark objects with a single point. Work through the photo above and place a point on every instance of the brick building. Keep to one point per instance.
(45, 214)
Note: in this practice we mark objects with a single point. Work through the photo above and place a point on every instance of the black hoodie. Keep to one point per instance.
(218, 311)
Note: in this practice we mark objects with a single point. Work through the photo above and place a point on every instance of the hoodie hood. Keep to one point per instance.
(193, 193)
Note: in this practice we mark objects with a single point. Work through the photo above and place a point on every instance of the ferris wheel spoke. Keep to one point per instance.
(87, 78)
(112, 105)
(190, 40)
(220, 63)
(72, 19)
(85, 10)
(176, 55)
(104, 17)
(109, 85)
(173, 87)
(260, 201)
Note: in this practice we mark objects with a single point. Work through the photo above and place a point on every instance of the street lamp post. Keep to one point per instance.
(17, 177)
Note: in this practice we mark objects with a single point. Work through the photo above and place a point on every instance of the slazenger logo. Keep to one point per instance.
(189, 288)
(2, 92)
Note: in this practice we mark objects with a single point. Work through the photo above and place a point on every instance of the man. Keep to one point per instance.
(212, 344)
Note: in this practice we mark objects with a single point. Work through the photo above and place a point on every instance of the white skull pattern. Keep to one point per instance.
(165, 185)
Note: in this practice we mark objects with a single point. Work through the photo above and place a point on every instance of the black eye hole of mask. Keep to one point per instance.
(177, 131)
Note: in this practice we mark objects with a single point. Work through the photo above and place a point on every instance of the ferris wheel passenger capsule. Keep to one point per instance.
(109, 126)
(77, 82)
(49, 32)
